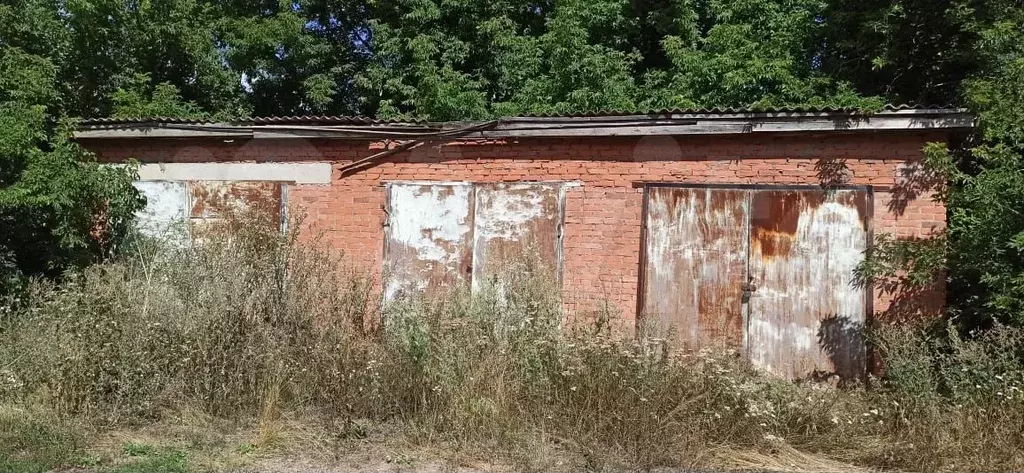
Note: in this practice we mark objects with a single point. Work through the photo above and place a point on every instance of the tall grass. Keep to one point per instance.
(253, 323)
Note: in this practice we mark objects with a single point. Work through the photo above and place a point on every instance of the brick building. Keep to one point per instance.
(714, 225)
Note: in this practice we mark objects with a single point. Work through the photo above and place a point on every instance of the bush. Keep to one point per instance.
(213, 325)
(253, 324)
(953, 402)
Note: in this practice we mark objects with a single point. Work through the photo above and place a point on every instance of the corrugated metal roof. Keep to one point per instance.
(364, 121)
(744, 111)
(268, 120)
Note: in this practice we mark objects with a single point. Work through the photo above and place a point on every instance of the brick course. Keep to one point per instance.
(603, 215)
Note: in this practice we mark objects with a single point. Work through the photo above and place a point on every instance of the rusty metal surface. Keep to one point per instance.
(695, 264)
(428, 240)
(217, 207)
(516, 221)
(805, 316)
(218, 199)
(179, 210)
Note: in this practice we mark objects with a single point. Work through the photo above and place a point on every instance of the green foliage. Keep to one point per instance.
(474, 59)
(141, 99)
(908, 51)
(58, 208)
(149, 459)
(243, 325)
(754, 53)
(986, 200)
(459, 60)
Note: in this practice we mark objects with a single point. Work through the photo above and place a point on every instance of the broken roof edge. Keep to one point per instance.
(710, 122)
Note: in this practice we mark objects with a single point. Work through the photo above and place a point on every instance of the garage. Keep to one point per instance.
(701, 227)
(764, 269)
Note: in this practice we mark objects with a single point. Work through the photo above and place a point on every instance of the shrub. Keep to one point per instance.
(252, 323)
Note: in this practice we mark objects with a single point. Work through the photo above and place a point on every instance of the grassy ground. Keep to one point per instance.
(196, 443)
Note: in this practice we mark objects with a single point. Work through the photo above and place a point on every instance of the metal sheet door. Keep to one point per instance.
(428, 239)
(695, 264)
(515, 221)
(219, 206)
(805, 315)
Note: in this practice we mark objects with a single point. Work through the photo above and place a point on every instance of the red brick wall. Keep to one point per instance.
(603, 215)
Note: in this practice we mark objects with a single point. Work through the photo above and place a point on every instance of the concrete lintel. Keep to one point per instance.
(299, 173)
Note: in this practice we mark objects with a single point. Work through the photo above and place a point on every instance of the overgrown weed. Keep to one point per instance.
(260, 327)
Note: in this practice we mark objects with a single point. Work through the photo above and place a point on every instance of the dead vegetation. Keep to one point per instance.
(248, 350)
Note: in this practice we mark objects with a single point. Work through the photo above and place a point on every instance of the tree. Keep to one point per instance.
(755, 53)
(986, 216)
(58, 209)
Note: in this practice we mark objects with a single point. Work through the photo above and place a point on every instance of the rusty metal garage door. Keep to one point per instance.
(447, 235)
(695, 264)
(765, 270)
(429, 235)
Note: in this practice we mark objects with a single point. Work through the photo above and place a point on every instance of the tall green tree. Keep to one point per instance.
(58, 209)
(908, 51)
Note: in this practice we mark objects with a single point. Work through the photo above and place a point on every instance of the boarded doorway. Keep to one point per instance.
(766, 270)
(443, 236)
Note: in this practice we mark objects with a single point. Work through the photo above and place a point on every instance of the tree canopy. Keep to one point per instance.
(475, 59)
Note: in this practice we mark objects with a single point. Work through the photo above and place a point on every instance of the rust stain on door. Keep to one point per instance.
(428, 241)
(805, 315)
(695, 264)
(216, 199)
(222, 205)
(515, 221)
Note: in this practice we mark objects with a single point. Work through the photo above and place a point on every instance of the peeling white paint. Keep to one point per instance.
(431, 223)
(166, 212)
(426, 218)
(797, 292)
(514, 212)
(509, 207)
(805, 313)
(442, 233)
(693, 245)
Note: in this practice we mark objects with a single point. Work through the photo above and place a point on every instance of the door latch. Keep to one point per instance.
(748, 288)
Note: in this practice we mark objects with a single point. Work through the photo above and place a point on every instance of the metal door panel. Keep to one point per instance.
(695, 264)
(513, 222)
(220, 206)
(166, 212)
(428, 241)
(805, 315)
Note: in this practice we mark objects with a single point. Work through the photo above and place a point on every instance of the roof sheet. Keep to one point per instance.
(364, 121)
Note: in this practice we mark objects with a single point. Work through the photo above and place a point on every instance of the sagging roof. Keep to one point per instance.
(600, 123)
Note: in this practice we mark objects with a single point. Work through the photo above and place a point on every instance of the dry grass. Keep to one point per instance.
(249, 349)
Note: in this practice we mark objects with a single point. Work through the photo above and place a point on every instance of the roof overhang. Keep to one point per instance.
(698, 123)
